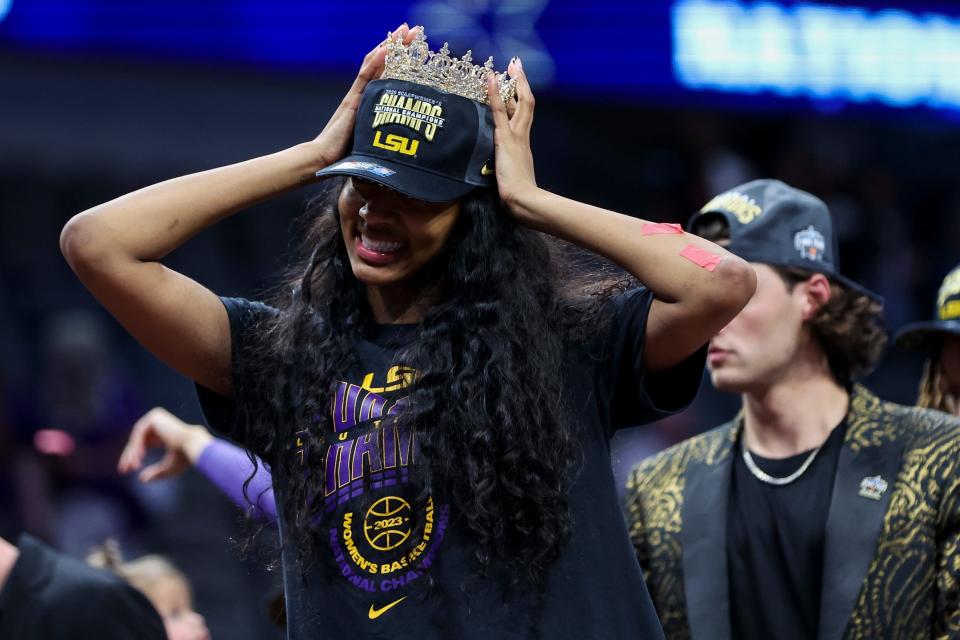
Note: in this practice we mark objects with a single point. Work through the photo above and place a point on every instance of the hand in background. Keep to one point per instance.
(183, 443)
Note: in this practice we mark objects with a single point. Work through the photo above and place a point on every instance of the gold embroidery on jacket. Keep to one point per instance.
(912, 587)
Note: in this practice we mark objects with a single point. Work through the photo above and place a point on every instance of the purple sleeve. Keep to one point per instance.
(227, 466)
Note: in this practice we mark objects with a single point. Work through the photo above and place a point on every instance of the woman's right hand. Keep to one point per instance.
(333, 142)
(183, 443)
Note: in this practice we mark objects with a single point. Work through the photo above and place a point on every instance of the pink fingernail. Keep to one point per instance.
(519, 62)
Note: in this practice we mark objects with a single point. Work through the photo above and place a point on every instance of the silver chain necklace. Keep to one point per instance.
(763, 476)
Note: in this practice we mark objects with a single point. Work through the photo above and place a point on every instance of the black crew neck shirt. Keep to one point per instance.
(368, 581)
(775, 541)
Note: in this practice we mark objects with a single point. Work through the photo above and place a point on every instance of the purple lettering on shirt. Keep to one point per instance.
(397, 445)
(345, 406)
(366, 447)
(337, 466)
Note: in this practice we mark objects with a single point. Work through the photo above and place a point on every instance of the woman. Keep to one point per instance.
(940, 340)
(461, 484)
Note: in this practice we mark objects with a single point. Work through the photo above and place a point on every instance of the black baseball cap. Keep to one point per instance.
(774, 223)
(923, 336)
(425, 143)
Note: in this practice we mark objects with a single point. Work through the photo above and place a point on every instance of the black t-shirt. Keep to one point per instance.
(594, 590)
(775, 539)
(48, 596)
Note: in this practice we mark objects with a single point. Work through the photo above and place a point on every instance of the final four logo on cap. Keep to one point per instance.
(425, 128)
(810, 243)
(771, 222)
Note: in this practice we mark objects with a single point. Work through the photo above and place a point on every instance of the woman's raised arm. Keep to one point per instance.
(115, 248)
(698, 286)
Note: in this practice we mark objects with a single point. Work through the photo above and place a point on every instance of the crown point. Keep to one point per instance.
(417, 63)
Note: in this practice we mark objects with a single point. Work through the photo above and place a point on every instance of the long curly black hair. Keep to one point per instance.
(487, 408)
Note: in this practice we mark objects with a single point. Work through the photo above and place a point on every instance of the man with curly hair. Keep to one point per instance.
(819, 511)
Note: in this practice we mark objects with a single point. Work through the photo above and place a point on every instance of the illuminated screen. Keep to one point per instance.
(783, 54)
(823, 52)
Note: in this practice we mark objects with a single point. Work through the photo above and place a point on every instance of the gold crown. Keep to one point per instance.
(416, 63)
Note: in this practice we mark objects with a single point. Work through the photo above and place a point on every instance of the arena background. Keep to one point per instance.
(647, 108)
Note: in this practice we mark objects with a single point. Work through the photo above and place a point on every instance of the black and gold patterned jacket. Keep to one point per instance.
(891, 557)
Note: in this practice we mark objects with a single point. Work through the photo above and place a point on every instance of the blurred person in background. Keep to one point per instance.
(184, 445)
(12, 460)
(438, 498)
(247, 483)
(940, 340)
(163, 584)
(820, 511)
(72, 426)
(10, 456)
(44, 595)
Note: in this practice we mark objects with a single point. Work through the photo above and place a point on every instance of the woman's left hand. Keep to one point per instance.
(182, 444)
(513, 158)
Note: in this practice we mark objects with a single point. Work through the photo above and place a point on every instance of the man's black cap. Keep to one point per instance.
(773, 223)
(425, 143)
(924, 336)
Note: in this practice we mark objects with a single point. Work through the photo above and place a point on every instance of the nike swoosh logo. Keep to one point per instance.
(485, 170)
(375, 613)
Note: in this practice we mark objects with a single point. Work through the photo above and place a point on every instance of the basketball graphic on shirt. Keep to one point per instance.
(387, 523)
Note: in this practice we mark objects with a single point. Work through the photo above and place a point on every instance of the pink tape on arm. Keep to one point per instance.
(657, 228)
(701, 257)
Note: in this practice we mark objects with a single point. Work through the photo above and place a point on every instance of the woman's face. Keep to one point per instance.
(170, 596)
(389, 236)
